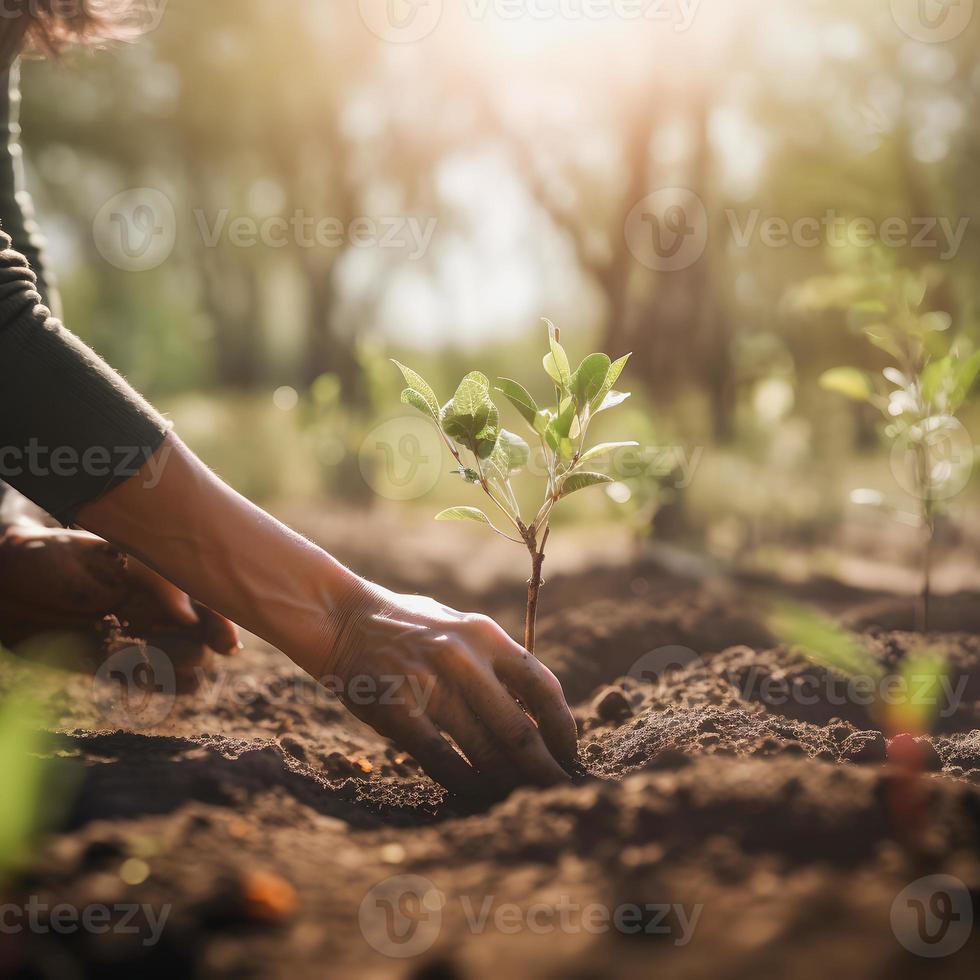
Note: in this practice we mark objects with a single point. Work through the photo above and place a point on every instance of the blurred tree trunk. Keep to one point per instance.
(232, 302)
(685, 333)
(326, 350)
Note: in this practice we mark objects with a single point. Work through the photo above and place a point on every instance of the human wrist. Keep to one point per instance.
(340, 626)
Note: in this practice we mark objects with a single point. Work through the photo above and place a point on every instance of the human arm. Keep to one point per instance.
(156, 501)
(452, 672)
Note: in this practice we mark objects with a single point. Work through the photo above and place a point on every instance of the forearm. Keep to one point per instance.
(200, 534)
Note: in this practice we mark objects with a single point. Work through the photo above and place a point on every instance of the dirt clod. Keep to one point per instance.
(865, 747)
(611, 705)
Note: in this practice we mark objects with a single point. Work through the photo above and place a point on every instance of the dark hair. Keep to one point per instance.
(49, 26)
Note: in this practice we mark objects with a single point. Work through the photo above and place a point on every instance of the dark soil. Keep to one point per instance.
(756, 832)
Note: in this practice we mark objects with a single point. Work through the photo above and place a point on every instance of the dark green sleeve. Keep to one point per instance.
(16, 208)
(71, 429)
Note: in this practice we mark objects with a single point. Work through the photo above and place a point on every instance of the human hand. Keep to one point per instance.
(413, 668)
(52, 578)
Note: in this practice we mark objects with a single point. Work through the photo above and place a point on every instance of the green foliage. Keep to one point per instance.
(821, 640)
(919, 394)
(470, 424)
(25, 793)
(463, 514)
(921, 391)
(583, 480)
(912, 702)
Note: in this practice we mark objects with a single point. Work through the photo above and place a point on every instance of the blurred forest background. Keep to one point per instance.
(523, 144)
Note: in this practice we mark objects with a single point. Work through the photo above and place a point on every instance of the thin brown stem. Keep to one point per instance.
(533, 588)
(925, 597)
(928, 531)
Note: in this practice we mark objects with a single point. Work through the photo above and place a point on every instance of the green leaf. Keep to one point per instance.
(486, 439)
(555, 371)
(417, 383)
(542, 420)
(966, 376)
(556, 363)
(473, 395)
(612, 399)
(562, 423)
(471, 418)
(915, 291)
(519, 397)
(588, 379)
(936, 377)
(512, 451)
(552, 438)
(605, 447)
(612, 376)
(847, 381)
(821, 640)
(478, 377)
(562, 428)
(881, 336)
(26, 798)
(411, 397)
(579, 481)
(464, 514)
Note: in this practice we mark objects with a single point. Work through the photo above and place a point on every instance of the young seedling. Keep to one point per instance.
(489, 455)
(922, 391)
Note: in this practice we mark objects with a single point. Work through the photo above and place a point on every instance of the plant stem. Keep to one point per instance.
(926, 595)
(928, 530)
(533, 587)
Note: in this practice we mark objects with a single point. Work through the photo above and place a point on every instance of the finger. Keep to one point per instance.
(173, 602)
(515, 733)
(220, 633)
(478, 745)
(540, 691)
(421, 739)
